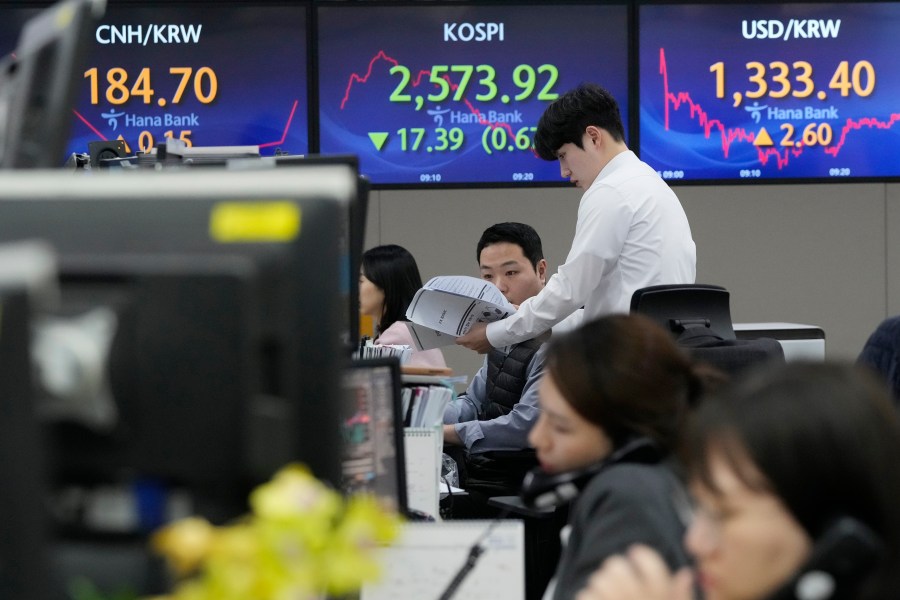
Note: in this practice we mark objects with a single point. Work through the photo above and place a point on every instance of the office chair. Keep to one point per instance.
(699, 317)
(678, 307)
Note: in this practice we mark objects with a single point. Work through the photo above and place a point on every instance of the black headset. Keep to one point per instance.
(544, 490)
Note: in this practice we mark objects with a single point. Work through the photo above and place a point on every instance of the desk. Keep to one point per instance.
(800, 342)
(542, 544)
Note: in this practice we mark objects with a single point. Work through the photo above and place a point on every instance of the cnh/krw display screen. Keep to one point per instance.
(451, 94)
(770, 91)
(211, 74)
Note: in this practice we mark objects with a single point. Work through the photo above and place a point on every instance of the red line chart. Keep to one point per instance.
(287, 127)
(731, 135)
(90, 126)
(383, 56)
(284, 133)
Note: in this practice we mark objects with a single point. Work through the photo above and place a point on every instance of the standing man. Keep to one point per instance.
(631, 230)
(499, 407)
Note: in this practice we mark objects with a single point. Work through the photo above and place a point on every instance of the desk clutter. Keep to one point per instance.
(423, 405)
(369, 349)
(423, 399)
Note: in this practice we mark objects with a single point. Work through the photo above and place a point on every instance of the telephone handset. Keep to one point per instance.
(840, 560)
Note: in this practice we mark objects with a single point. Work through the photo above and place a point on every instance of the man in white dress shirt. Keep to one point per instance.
(631, 230)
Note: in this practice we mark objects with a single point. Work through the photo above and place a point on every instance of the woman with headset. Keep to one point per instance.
(612, 400)
(796, 476)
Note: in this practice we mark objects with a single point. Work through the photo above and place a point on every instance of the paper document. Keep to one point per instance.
(447, 306)
(427, 556)
(423, 448)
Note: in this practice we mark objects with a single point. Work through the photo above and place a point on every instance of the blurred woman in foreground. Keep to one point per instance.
(796, 477)
(613, 400)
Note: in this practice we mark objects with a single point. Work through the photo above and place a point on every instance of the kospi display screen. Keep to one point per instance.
(451, 94)
(211, 74)
(770, 91)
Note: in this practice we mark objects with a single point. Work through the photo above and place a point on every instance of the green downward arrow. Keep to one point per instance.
(378, 138)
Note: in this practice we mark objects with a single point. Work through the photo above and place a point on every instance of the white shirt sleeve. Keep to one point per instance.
(603, 223)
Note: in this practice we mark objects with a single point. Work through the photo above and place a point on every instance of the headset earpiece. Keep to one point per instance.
(544, 490)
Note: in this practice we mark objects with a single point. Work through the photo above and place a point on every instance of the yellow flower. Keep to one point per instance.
(366, 521)
(184, 543)
(293, 493)
(301, 539)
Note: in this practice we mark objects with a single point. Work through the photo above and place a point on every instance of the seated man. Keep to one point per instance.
(499, 407)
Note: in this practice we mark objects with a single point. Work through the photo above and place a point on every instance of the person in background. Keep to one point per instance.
(499, 407)
(613, 399)
(631, 231)
(881, 353)
(388, 280)
(787, 469)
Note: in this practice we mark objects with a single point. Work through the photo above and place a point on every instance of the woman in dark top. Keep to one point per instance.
(795, 475)
(612, 401)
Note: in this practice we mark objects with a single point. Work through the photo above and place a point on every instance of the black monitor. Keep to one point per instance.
(215, 296)
(23, 529)
(372, 429)
(352, 239)
(37, 84)
(12, 18)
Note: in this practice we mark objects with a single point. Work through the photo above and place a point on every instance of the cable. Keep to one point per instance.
(474, 553)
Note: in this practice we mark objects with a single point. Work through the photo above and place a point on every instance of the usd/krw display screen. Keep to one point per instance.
(770, 91)
(211, 74)
(430, 95)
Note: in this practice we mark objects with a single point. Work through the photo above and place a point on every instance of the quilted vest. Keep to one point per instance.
(506, 378)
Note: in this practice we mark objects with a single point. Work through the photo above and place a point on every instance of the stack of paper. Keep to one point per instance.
(368, 349)
(447, 306)
(423, 406)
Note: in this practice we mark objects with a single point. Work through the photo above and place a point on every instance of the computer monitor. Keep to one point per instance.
(215, 296)
(23, 529)
(37, 85)
(352, 239)
(12, 18)
(372, 429)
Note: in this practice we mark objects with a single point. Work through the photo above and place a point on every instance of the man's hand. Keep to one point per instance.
(451, 437)
(640, 574)
(476, 339)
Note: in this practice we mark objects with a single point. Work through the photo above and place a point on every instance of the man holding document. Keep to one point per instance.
(631, 230)
(499, 407)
